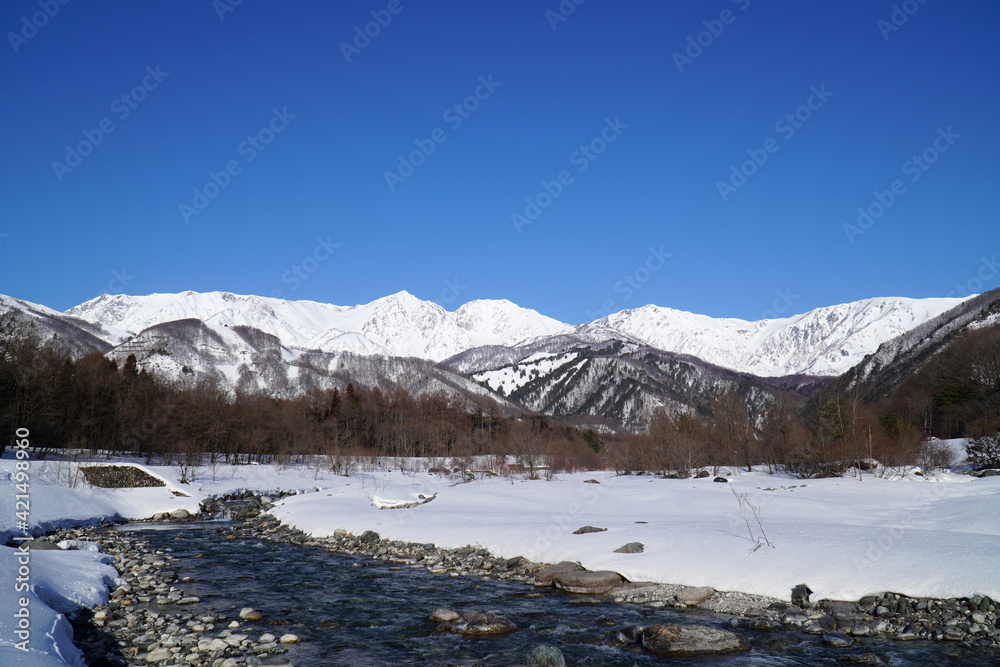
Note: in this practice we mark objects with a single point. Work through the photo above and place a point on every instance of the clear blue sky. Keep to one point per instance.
(445, 232)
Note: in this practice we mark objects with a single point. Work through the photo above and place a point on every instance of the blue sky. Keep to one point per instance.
(251, 149)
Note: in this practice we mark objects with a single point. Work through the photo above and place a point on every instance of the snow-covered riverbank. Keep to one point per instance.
(934, 536)
(926, 536)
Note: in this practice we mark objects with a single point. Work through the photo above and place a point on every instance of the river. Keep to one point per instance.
(359, 612)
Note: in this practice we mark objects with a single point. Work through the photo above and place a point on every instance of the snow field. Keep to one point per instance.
(513, 377)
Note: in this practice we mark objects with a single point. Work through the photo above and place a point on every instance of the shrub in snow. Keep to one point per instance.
(934, 454)
(984, 452)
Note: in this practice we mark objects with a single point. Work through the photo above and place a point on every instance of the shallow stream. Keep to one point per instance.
(360, 612)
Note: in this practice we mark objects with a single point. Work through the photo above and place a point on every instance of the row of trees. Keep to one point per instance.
(838, 434)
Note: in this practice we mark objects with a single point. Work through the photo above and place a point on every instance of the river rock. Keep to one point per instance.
(444, 615)
(795, 618)
(835, 607)
(583, 530)
(369, 536)
(583, 581)
(250, 614)
(694, 596)
(79, 545)
(838, 640)
(209, 506)
(631, 548)
(478, 624)
(209, 645)
(159, 655)
(545, 575)
(546, 656)
(691, 640)
(800, 595)
(720, 479)
(40, 545)
(630, 634)
(180, 514)
(822, 626)
(289, 638)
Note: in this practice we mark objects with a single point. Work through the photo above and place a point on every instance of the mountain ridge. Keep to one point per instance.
(824, 341)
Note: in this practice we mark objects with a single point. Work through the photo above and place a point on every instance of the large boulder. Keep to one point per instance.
(582, 581)
(544, 575)
(682, 640)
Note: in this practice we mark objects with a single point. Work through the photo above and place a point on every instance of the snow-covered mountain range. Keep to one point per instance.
(399, 325)
(826, 341)
(614, 372)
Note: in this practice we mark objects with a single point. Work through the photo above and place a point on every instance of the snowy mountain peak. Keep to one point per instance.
(501, 322)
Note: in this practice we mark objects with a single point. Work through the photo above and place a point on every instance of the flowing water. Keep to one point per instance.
(359, 612)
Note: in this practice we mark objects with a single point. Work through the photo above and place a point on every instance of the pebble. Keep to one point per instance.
(159, 655)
